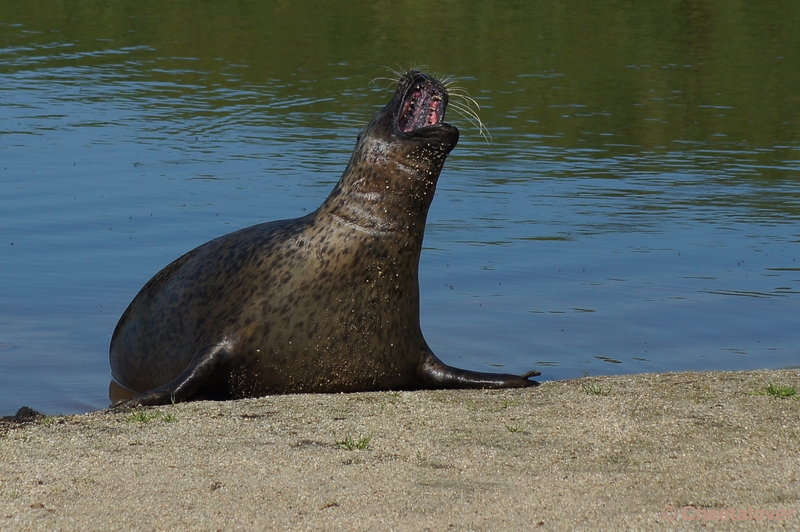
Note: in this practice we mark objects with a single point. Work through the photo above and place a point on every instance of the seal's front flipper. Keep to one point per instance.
(201, 370)
(434, 373)
(162, 395)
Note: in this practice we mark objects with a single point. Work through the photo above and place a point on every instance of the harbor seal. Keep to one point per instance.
(324, 303)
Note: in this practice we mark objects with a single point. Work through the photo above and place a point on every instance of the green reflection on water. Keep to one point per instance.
(592, 74)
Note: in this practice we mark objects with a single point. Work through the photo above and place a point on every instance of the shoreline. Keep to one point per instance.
(632, 451)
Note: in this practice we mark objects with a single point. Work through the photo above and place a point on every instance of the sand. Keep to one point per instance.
(646, 452)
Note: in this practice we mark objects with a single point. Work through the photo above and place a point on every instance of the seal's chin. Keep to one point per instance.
(423, 106)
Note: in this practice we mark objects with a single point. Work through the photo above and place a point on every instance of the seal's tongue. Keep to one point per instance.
(423, 107)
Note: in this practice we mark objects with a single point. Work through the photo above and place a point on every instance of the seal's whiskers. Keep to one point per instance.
(467, 112)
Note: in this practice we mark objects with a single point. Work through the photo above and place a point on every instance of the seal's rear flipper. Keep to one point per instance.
(434, 373)
(201, 370)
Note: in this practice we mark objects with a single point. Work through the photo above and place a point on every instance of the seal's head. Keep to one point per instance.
(397, 160)
(413, 121)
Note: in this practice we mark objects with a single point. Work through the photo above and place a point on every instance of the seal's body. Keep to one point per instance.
(324, 303)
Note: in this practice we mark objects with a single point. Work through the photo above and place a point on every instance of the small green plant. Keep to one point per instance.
(506, 403)
(515, 429)
(48, 420)
(141, 415)
(596, 389)
(777, 391)
(351, 444)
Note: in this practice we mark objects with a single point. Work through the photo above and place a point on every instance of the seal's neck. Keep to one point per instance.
(385, 188)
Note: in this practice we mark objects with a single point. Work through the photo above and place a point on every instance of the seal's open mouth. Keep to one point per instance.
(423, 106)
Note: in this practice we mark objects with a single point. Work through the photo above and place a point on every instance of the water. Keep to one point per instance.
(636, 208)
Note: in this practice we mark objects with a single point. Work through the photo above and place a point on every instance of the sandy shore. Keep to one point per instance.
(595, 453)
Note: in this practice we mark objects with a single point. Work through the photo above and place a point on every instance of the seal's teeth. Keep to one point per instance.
(431, 117)
(423, 107)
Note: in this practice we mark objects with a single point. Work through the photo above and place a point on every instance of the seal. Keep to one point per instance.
(324, 303)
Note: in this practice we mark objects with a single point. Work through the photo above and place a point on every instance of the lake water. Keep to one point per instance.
(636, 209)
